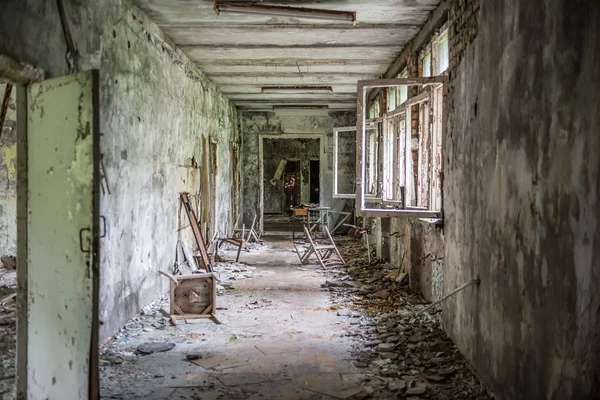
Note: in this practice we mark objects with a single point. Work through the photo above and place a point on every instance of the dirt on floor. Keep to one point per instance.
(8, 332)
(292, 331)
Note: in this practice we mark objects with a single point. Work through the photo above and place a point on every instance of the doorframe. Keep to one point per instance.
(22, 228)
(261, 137)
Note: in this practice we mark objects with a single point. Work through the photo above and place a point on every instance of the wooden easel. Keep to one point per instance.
(203, 258)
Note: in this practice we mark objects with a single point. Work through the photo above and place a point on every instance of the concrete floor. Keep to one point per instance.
(279, 338)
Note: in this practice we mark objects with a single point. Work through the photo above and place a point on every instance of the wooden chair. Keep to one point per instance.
(238, 238)
(327, 254)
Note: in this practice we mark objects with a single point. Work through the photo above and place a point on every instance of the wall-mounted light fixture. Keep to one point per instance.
(305, 106)
(284, 11)
(296, 88)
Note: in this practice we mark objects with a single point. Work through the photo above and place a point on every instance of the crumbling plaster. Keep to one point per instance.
(282, 122)
(521, 201)
(158, 118)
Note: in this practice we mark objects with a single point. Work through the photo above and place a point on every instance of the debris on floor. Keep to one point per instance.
(346, 332)
(410, 354)
(8, 328)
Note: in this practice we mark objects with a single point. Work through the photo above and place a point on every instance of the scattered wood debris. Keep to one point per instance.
(410, 355)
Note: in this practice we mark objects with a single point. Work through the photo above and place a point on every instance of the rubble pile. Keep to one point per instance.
(8, 330)
(407, 355)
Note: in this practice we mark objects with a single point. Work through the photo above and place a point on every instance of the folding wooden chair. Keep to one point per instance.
(238, 238)
(327, 254)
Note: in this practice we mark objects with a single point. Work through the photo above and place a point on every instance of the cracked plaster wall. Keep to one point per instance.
(521, 204)
(158, 120)
(8, 177)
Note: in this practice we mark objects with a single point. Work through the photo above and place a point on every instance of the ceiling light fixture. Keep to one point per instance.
(296, 88)
(300, 106)
(285, 11)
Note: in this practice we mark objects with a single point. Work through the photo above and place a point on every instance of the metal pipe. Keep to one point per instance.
(458, 289)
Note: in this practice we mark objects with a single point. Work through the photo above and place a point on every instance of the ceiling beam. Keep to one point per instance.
(275, 62)
(371, 70)
(297, 74)
(270, 27)
(269, 106)
(256, 88)
(265, 53)
(248, 36)
(297, 79)
(296, 96)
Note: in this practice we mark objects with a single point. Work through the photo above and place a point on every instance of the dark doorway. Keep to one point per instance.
(315, 167)
(291, 184)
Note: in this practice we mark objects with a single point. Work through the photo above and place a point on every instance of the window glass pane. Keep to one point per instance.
(427, 65)
(402, 94)
(388, 161)
(372, 161)
(443, 57)
(391, 99)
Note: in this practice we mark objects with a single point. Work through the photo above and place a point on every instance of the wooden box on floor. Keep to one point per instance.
(193, 296)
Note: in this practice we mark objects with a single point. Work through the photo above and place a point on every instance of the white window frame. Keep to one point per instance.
(374, 128)
(363, 198)
(336, 133)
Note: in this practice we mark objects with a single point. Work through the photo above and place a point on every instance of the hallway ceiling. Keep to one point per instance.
(244, 52)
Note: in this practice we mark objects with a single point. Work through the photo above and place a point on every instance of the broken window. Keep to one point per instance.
(399, 169)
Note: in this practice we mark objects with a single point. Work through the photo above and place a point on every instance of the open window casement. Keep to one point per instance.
(344, 162)
(403, 176)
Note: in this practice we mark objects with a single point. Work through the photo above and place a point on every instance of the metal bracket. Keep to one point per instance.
(82, 230)
(81, 240)
(103, 219)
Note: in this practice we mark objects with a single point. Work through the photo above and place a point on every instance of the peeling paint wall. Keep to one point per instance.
(8, 177)
(416, 245)
(522, 210)
(163, 126)
(254, 124)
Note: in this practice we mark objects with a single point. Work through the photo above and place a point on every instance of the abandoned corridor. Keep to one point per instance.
(451, 146)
